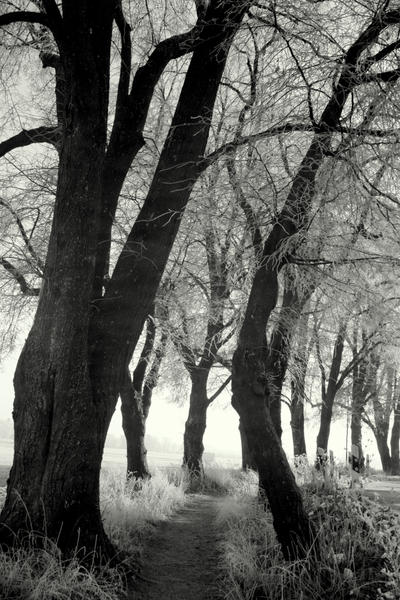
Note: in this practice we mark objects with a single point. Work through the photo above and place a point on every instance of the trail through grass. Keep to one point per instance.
(182, 560)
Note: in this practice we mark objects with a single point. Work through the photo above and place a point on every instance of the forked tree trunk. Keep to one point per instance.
(382, 411)
(293, 303)
(136, 395)
(74, 361)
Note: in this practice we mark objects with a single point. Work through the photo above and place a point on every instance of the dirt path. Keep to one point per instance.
(181, 561)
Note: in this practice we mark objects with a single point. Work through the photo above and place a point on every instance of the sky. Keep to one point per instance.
(167, 420)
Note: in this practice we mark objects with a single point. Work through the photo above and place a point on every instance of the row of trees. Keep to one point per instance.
(279, 124)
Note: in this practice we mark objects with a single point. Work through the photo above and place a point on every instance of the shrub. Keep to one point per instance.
(359, 555)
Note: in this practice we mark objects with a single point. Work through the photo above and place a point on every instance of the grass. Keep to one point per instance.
(130, 512)
(131, 509)
(358, 539)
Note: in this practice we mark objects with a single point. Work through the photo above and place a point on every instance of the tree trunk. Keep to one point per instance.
(275, 476)
(394, 441)
(298, 386)
(297, 417)
(384, 453)
(134, 426)
(356, 429)
(247, 460)
(120, 315)
(195, 425)
(59, 429)
(330, 394)
(293, 303)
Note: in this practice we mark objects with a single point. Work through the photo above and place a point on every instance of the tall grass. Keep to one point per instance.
(130, 511)
(359, 553)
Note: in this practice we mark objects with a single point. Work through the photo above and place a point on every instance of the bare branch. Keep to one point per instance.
(126, 55)
(39, 135)
(26, 289)
(24, 16)
(37, 264)
(220, 389)
(285, 129)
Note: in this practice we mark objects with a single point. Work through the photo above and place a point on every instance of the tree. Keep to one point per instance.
(248, 375)
(136, 395)
(85, 329)
(385, 405)
(298, 372)
(200, 359)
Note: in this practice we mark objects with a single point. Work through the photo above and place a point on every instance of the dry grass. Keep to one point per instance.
(131, 509)
(358, 540)
(129, 512)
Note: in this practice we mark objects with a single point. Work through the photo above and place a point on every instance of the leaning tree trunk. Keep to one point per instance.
(59, 428)
(394, 441)
(276, 479)
(275, 476)
(291, 522)
(195, 425)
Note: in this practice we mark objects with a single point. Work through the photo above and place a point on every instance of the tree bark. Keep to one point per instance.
(247, 459)
(275, 476)
(59, 428)
(384, 452)
(136, 396)
(195, 425)
(134, 426)
(394, 441)
(297, 417)
(356, 427)
(328, 396)
(293, 303)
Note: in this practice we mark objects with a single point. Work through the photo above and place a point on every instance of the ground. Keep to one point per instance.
(181, 560)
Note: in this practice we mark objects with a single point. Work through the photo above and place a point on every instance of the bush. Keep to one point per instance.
(359, 555)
